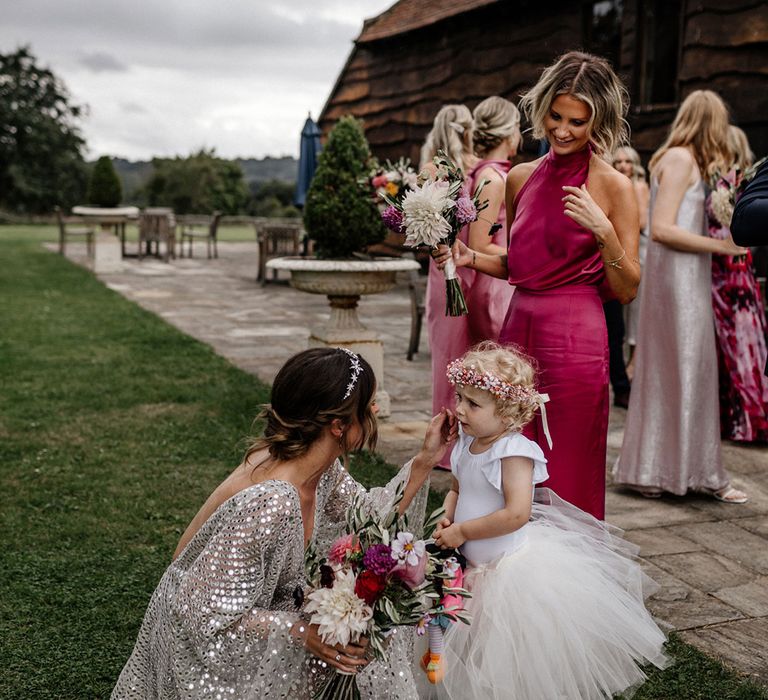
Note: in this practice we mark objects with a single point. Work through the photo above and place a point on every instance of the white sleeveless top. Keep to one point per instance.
(480, 490)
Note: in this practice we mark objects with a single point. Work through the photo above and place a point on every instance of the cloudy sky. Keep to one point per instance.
(167, 78)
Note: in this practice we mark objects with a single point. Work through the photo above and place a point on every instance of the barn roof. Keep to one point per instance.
(407, 15)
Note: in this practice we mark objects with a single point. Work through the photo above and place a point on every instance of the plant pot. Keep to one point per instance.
(344, 282)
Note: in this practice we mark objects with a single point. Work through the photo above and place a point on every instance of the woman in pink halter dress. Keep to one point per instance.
(497, 135)
(568, 247)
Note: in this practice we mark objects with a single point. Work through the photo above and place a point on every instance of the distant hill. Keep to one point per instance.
(133, 174)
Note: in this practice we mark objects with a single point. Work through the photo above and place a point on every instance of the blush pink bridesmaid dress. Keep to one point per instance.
(487, 300)
(556, 317)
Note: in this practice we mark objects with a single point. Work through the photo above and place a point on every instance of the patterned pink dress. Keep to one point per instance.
(556, 316)
(487, 300)
(741, 349)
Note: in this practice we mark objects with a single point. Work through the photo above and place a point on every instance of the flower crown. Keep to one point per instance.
(458, 373)
(355, 370)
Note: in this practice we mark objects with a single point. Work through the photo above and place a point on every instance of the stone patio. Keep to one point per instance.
(710, 558)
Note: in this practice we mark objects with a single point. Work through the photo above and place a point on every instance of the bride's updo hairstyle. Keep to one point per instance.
(590, 79)
(495, 119)
(312, 389)
(452, 133)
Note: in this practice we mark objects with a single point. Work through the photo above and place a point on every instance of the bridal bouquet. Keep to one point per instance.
(392, 180)
(727, 189)
(376, 577)
(433, 212)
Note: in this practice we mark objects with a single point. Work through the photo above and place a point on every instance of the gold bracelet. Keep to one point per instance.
(615, 263)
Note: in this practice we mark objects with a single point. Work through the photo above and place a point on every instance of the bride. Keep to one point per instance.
(225, 620)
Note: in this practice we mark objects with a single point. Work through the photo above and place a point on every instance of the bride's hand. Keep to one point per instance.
(462, 256)
(441, 431)
(349, 659)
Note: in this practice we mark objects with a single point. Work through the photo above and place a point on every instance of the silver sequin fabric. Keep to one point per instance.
(672, 434)
(224, 623)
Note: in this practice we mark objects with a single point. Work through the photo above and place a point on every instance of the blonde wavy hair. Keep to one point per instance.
(738, 142)
(592, 80)
(495, 119)
(511, 365)
(638, 171)
(452, 133)
(700, 125)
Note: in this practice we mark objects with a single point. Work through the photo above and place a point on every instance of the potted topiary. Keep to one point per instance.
(342, 219)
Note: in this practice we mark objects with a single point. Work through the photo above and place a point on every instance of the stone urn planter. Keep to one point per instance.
(344, 282)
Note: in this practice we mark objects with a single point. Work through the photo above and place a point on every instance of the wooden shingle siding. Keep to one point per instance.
(418, 56)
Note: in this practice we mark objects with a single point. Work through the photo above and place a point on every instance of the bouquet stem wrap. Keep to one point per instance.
(339, 686)
(455, 304)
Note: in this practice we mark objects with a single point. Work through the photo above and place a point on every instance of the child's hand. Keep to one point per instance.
(450, 537)
(441, 525)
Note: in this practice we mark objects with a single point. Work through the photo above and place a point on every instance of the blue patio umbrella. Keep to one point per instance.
(309, 150)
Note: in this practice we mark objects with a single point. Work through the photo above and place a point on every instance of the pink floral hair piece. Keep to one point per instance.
(459, 373)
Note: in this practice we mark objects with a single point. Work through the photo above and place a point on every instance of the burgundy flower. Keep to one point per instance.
(369, 586)
(327, 576)
(393, 219)
(378, 558)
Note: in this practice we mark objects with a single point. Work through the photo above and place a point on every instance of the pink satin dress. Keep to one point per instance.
(487, 301)
(556, 317)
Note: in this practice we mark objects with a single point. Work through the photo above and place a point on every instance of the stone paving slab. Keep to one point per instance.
(710, 558)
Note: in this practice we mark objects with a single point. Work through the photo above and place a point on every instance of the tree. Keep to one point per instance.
(41, 160)
(104, 189)
(340, 215)
(198, 184)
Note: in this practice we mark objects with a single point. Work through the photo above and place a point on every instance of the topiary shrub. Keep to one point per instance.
(104, 189)
(339, 214)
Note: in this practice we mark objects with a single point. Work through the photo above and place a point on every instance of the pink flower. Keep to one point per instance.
(380, 181)
(412, 575)
(466, 212)
(342, 548)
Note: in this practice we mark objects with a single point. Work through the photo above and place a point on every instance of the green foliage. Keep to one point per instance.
(41, 161)
(272, 198)
(340, 215)
(198, 184)
(104, 189)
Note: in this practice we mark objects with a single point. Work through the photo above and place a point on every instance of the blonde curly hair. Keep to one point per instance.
(512, 366)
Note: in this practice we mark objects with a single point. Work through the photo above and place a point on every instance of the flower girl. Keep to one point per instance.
(557, 608)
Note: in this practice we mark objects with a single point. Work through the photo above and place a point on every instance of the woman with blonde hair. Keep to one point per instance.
(739, 316)
(627, 161)
(568, 240)
(451, 133)
(496, 136)
(672, 438)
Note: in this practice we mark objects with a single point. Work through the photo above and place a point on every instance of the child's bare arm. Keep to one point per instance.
(517, 486)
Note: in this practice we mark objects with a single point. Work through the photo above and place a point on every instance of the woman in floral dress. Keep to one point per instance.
(739, 318)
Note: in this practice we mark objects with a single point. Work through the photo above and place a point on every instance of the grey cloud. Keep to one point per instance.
(133, 108)
(102, 62)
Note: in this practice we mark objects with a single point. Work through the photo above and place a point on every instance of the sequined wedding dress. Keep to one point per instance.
(224, 619)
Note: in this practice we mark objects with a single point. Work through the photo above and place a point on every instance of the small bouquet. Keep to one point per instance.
(728, 188)
(392, 180)
(374, 578)
(434, 212)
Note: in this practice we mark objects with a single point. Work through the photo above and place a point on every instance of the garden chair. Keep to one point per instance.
(189, 233)
(67, 230)
(157, 225)
(276, 240)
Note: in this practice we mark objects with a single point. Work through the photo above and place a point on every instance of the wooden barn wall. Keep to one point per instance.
(397, 85)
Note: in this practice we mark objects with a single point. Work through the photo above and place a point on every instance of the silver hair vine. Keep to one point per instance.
(355, 370)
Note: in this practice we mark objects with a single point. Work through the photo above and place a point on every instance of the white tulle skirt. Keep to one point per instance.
(563, 617)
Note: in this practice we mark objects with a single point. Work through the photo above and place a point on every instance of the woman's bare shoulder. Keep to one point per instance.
(608, 178)
(520, 173)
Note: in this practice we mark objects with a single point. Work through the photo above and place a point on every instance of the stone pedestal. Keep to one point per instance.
(107, 255)
(343, 282)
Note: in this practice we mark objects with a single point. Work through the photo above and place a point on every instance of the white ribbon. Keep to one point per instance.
(450, 269)
(544, 398)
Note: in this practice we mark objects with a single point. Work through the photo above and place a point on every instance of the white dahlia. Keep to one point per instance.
(722, 205)
(423, 209)
(340, 615)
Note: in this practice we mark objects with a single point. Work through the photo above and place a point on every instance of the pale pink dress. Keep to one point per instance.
(487, 300)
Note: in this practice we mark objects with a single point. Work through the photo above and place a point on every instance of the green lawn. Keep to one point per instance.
(114, 427)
